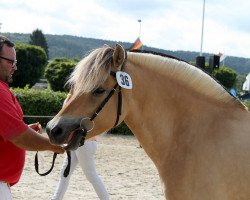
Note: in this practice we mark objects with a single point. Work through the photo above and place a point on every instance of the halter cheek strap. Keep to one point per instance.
(119, 100)
(98, 110)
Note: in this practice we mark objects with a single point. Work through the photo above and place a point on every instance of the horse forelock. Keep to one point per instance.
(189, 75)
(91, 71)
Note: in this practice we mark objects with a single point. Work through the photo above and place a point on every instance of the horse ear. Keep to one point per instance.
(119, 56)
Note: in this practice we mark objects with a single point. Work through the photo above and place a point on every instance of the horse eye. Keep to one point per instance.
(99, 91)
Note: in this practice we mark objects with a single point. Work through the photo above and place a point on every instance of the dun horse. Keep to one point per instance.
(195, 132)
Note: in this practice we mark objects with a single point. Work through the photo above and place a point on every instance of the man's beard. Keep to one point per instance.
(8, 80)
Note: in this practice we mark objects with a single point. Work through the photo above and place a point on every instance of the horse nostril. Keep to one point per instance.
(56, 131)
(56, 135)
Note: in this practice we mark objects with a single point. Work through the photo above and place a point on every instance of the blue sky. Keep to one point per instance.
(166, 24)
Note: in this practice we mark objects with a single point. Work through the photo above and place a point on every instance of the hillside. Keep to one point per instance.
(76, 47)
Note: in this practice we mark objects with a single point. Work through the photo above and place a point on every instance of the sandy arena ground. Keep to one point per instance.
(126, 170)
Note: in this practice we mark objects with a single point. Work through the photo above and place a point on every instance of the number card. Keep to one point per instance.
(124, 80)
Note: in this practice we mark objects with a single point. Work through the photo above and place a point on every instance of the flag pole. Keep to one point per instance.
(202, 26)
(139, 27)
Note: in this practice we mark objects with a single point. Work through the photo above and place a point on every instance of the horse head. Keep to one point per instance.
(92, 105)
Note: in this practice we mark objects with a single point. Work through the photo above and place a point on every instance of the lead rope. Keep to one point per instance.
(37, 165)
(66, 171)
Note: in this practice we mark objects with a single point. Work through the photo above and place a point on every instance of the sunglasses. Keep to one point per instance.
(13, 62)
(5, 41)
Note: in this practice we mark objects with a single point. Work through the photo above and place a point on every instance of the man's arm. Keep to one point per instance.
(33, 141)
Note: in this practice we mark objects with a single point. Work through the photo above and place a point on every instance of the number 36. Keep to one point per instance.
(124, 80)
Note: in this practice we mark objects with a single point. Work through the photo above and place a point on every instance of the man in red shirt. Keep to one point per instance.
(15, 135)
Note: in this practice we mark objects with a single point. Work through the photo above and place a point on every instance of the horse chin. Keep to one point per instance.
(74, 139)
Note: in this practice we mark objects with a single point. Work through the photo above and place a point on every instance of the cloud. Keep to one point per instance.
(166, 24)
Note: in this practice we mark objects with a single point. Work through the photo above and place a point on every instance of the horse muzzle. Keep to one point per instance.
(68, 132)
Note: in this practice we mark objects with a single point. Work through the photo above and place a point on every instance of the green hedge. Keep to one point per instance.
(39, 103)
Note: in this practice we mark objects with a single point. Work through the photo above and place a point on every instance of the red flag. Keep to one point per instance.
(137, 44)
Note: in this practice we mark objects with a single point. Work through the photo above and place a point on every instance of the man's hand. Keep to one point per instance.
(57, 149)
(36, 127)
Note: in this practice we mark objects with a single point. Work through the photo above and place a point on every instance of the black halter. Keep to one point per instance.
(105, 101)
(84, 130)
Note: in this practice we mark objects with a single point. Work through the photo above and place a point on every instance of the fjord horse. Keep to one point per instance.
(195, 132)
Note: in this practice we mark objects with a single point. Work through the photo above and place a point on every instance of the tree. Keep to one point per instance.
(37, 38)
(32, 61)
(225, 76)
(57, 72)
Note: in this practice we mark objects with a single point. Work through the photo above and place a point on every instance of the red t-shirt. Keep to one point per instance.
(11, 124)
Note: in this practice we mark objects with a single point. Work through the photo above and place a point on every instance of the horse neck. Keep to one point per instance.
(159, 107)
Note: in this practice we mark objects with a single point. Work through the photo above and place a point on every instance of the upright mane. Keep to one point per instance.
(95, 68)
(184, 72)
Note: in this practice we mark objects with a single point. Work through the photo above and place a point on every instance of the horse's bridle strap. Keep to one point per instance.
(104, 102)
(119, 106)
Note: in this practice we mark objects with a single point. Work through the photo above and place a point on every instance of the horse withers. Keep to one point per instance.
(195, 132)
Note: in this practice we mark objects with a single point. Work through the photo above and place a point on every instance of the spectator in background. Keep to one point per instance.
(233, 92)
